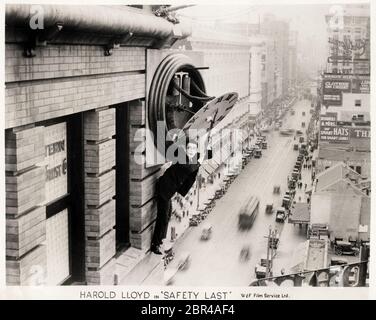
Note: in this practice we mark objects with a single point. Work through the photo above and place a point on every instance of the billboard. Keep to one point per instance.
(335, 134)
(360, 133)
(337, 85)
(332, 131)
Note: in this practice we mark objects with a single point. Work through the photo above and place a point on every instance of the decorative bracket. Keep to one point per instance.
(40, 38)
(115, 43)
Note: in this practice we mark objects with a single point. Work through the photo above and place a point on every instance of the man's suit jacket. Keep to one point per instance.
(178, 178)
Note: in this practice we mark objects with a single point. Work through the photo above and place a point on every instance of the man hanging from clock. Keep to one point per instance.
(179, 178)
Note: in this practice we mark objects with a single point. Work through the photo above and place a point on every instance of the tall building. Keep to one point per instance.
(349, 41)
(279, 31)
(345, 92)
(293, 57)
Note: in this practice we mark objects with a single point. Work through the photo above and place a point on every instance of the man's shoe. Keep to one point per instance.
(155, 249)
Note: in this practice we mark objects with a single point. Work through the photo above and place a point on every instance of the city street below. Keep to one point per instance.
(216, 261)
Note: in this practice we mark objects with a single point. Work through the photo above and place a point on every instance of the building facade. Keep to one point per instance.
(349, 41)
(80, 205)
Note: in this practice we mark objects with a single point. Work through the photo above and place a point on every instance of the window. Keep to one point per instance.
(358, 169)
(358, 103)
(351, 167)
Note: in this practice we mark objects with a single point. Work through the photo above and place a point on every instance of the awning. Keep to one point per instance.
(300, 213)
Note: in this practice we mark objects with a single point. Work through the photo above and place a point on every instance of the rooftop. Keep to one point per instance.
(336, 173)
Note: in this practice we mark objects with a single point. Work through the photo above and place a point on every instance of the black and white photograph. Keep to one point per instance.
(187, 145)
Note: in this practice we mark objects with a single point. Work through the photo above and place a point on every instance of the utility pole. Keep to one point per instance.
(270, 251)
(267, 253)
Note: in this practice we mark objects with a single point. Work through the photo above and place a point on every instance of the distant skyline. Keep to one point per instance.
(307, 19)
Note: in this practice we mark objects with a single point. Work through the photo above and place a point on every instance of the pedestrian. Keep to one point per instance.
(305, 187)
(308, 199)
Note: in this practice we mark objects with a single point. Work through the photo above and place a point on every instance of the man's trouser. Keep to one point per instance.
(163, 217)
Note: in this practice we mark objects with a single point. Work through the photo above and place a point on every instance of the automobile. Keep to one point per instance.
(301, 139)
(286, 201)
(286, 131)
(260, 271)
(290, 194)
(206, 233)
(245, 253)
(276, 189)
(345, 248)
(299, 132)
(280, 214)
(292, 184)
(257, 153)
(264, 145)
(296, 147)
(269, 208)
(337, 261)
(193, 222)
(303, 124)
(295, 174)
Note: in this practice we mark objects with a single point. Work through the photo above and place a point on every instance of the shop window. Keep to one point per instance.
(65, 233)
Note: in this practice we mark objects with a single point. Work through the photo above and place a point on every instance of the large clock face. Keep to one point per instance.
(216, 109)
(177, 93)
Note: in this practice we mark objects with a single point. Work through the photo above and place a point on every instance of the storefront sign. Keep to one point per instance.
(341, 85)
(360, 86)
(335, 134)
(345, 76)
(332, 99)
(56, 161)
(363, 133)
(328, 120)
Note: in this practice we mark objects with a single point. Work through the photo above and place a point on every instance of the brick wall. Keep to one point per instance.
(62, 80)
(25, 214)
(143, 209)
(99, 161)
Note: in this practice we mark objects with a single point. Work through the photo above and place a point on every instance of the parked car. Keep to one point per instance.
(280, 214)
(345, 248)
(257, 153)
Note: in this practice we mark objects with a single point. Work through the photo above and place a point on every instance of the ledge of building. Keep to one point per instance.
(134, 267)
